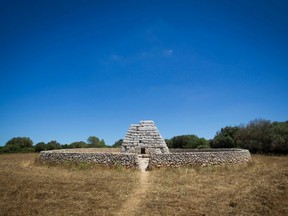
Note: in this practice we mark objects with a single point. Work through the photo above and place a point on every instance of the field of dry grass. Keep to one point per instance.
(27, 188)
(258, 188)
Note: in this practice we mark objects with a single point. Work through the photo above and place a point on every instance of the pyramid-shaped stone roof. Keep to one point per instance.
(144, 138)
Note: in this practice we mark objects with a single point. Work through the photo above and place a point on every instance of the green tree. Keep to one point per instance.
(279, 137)
(118, 143)
(53, 145)
(225, 138)
(41, 146)
(203, 143)
(19, 144)
(188, 141)
(65, 146)
(169, 143)
(79, 144)
(95, 142)
(255, 136)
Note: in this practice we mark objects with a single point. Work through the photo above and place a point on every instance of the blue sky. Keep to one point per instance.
(74, 69)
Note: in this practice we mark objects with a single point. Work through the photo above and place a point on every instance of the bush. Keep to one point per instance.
(225, 138)
(18, 144)
(27, 150)
(259, 136)
(255, 136)
(53, 145)
(262, 136)
(41, 146)
(279, 137)
(118, 143)
(79, 144)
(169, 143)
(187, 141)
(95, 142)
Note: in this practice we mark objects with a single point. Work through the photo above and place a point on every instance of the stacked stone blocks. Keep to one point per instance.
(131, 160)
(208, 157)
(144, 138)
(108, 159)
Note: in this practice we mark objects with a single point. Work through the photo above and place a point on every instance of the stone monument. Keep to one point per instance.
(144, 138)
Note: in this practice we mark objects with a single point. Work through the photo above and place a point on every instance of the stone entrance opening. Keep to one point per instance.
(143, 151)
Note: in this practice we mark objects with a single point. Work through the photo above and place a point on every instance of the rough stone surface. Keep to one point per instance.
(128, 160)
(208, 157)
(144, 138)
(131, 160)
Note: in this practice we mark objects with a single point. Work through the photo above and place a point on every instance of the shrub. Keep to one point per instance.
(187, 141)
(18, 144)
(41, 146)
(79, 144)
(95, 142)
(118, 143)
(53, 145)
(225, 138)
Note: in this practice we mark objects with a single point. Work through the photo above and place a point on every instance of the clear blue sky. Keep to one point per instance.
(72, 69)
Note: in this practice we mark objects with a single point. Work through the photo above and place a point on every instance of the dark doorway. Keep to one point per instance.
(142, 150)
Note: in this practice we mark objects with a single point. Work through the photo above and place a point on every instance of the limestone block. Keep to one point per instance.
(145, 135)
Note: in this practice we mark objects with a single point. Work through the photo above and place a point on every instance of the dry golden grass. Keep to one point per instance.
(258, 188)
(27, 188)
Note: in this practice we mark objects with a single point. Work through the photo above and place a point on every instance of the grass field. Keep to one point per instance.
(28, 188)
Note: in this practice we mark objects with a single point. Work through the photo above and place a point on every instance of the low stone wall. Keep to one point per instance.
(131, 160)
(208, 157)
(128, 160)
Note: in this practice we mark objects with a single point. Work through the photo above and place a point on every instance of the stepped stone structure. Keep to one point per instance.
(144, 138)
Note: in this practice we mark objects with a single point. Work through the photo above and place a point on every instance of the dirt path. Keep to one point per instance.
(132, 203)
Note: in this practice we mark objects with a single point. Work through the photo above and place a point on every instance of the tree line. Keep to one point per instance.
(258, 136)
(25, 144)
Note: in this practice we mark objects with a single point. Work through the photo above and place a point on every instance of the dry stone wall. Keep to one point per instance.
(128, 160)
(235, 156)
(144, 138)
(131, 160)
